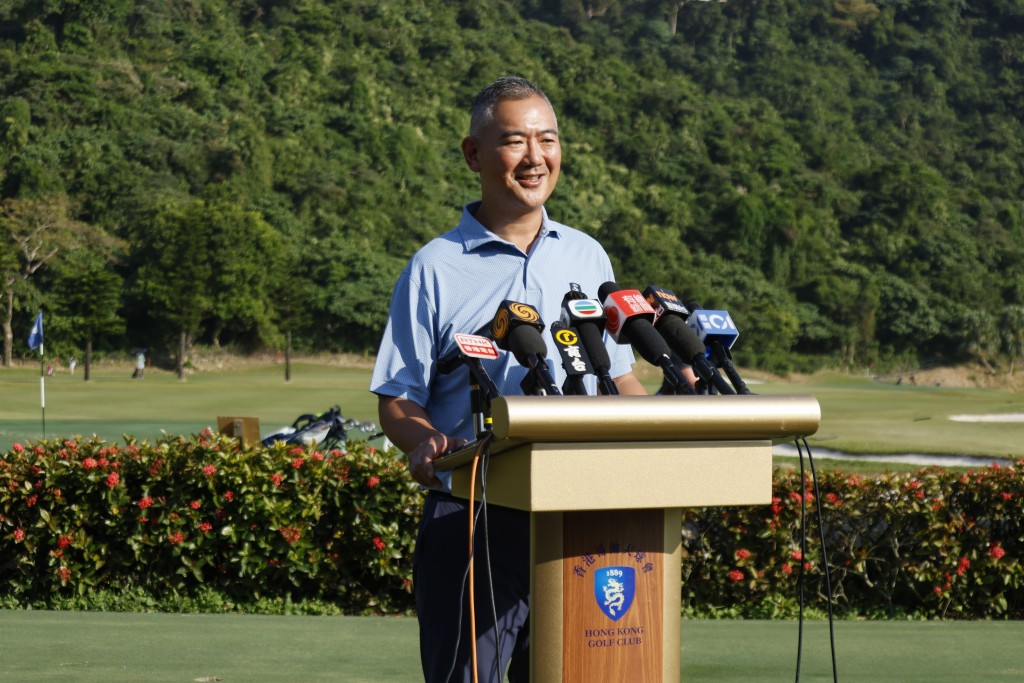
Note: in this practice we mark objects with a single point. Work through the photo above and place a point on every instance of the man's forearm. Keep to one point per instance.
(405, 422)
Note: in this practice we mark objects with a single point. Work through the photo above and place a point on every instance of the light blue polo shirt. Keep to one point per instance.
(455, 284)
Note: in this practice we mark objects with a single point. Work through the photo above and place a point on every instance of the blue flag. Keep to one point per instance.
(35, 337)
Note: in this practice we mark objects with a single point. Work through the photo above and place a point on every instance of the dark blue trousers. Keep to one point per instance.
(439, 565)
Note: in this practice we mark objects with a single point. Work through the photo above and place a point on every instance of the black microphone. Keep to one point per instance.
(629, 321)
(516, 327)
(526, 344)
(588, 318)
(575, 360)
(671, 324)
(718, 333)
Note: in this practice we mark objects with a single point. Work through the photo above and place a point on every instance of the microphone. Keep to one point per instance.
(471, 349)
(587, 317)
(575, 361)
(629, 321)
(516, 327)
(718, 333)
(671, 324)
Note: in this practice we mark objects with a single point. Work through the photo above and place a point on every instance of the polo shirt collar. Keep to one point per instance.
(474, 235)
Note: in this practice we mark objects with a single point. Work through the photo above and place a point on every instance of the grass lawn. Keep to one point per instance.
(113, 403)
(91, 647)
(858, 415)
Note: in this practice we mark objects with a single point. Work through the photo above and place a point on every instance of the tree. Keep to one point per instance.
(88, 296)
(205, 263)
(33, 232)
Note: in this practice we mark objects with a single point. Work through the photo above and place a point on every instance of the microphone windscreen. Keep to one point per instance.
(607, 288)
(525, 340)
(647, 342)
(681, 338)
(593, 342)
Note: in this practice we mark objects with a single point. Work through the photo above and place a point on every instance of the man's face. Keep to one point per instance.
(517, 155)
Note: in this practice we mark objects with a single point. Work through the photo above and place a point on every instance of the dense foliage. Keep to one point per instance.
(186, 518)
(843, 175)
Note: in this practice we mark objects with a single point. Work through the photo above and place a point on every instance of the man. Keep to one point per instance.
(504, 247)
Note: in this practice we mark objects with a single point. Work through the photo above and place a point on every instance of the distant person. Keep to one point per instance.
(140, 366)
(72, 363)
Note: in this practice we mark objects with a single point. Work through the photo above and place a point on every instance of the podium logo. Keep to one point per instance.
(614, 588)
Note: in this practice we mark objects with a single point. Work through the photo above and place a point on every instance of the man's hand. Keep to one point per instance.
(409, 428)
(421, 459)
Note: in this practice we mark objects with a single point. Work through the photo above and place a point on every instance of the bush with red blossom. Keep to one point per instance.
(200, 513)
(190, 514)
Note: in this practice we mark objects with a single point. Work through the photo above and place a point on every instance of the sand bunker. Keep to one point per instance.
(995, 417)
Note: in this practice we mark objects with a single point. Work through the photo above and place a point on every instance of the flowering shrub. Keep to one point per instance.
(935, 543)
(280, 522)
(188, 516)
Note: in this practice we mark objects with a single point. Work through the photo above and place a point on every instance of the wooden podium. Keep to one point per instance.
(605, 479)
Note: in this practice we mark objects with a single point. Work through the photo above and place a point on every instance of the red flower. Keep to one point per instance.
(379, 544)
(938, 590)
(735, 575)
(113, 480)
(963, 566)
(176, 537)
(205, 527)
(1006, 495)
(373, 481)
(298, 462)
(742, 554)
(89, 463)
(63, 542)
(229, 496)
(277, 479)
(195, 505)
(19, 535)
(776, 506)
(295, 450)
(145, 502)
(18, 448)
(290, 534)
(209, 470)
(787, 568)
(317, 455)
(796, 555)
(996, 551)
(31, 500)
(64, 573)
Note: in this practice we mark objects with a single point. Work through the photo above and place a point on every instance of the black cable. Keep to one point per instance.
(824, 558)
(485, 459)
(800, 568)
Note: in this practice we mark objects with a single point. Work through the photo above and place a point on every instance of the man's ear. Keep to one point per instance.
(471, 153)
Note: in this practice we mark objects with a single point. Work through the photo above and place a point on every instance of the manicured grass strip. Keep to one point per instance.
(858, 415)
(90, 647)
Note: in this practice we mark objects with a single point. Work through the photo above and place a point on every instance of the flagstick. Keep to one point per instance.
(42, 388)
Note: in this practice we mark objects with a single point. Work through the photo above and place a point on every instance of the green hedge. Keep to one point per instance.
(189, 517)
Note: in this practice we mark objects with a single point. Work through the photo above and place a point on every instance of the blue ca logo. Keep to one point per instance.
(614, 588)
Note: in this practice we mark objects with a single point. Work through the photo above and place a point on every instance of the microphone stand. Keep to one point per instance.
(723, 358)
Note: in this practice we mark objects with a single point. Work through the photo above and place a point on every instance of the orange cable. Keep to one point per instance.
(472, 582)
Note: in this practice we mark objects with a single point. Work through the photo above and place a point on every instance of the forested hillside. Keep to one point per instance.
(844, 176)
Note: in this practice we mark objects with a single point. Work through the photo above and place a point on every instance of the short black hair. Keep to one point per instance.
(505, 88)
